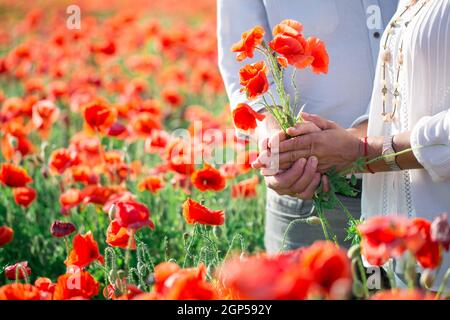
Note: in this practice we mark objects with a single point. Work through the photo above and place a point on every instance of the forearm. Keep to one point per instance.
(401, 144)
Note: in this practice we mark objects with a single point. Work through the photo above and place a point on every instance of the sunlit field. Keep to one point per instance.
(121, 175)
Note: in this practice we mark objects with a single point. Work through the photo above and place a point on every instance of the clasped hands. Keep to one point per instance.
(294, 162)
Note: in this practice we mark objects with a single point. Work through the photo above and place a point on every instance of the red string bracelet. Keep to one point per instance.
(366, 154)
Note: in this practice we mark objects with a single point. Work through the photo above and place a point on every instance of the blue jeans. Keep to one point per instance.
(282, 210)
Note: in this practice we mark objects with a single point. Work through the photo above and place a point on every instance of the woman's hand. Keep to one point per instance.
(334, 146)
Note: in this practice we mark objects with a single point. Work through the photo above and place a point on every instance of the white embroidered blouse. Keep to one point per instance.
(424, 86)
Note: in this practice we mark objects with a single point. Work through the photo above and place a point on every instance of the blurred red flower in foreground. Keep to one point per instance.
(6, 235)
(403, 294)
(174, 283)
(208, 178)
(46, 288)
(117, 236)
(254, 79)
(84, 252)
(264, 277)
(245, 117)
(386, 237)
(14, 176)
(329, 269)
(133, 215)
(430, 253)
(19, 291)
(20, 269)
(61, 229)
(78, 285)
(389, 237)
(194, 212)
(319, 271)
(24, 196)
(249, 41)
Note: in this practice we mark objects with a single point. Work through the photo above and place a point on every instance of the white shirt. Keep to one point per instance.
(343, 95)
(425, 102)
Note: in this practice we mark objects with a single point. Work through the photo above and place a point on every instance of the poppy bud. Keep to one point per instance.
(217, 232)
(19, 270)
(186, 236)
(61, 229)
(112, 211)
(427, 279)
(354, 252)
(313, 221)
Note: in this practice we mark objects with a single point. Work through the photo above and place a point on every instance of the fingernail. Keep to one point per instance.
(314, 162)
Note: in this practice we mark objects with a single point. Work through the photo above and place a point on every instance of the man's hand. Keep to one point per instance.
(334, 146)
(301, 180)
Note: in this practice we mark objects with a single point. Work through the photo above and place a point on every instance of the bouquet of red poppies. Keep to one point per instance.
(288, 47)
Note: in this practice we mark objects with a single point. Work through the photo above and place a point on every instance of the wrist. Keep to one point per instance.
(374, 152)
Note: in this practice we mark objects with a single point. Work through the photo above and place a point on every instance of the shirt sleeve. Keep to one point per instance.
(430, 137)
(430, 141)
(234, 17)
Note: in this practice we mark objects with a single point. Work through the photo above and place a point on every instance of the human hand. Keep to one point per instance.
(301, 180)
(334, 147)
(270, 159)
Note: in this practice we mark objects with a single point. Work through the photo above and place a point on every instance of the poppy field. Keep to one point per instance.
(121, 176)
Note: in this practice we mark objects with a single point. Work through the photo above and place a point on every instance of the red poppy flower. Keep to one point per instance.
(174, 283)
(289, 42)
(254, 79)
(249, 41)
(194, 212)
(387, 237)
(430, 253)
(76, 285)
(84, 251)
(61, 229)
(70, 199)
(264, 277)
(19, 291)
(62, 159)
(328, 267)
(245, 160)
(20, 269)
(208, 178)
(14, 176)
(45, 113)
(172, 97)
(319, 53)
(132, 214)
(99, 116)
(46, 288)
(145, 123)
(24, 196)
(6, 235)
(117, 236)
(403, 294)
(152, 184)
(245, 117)
(245, 188)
